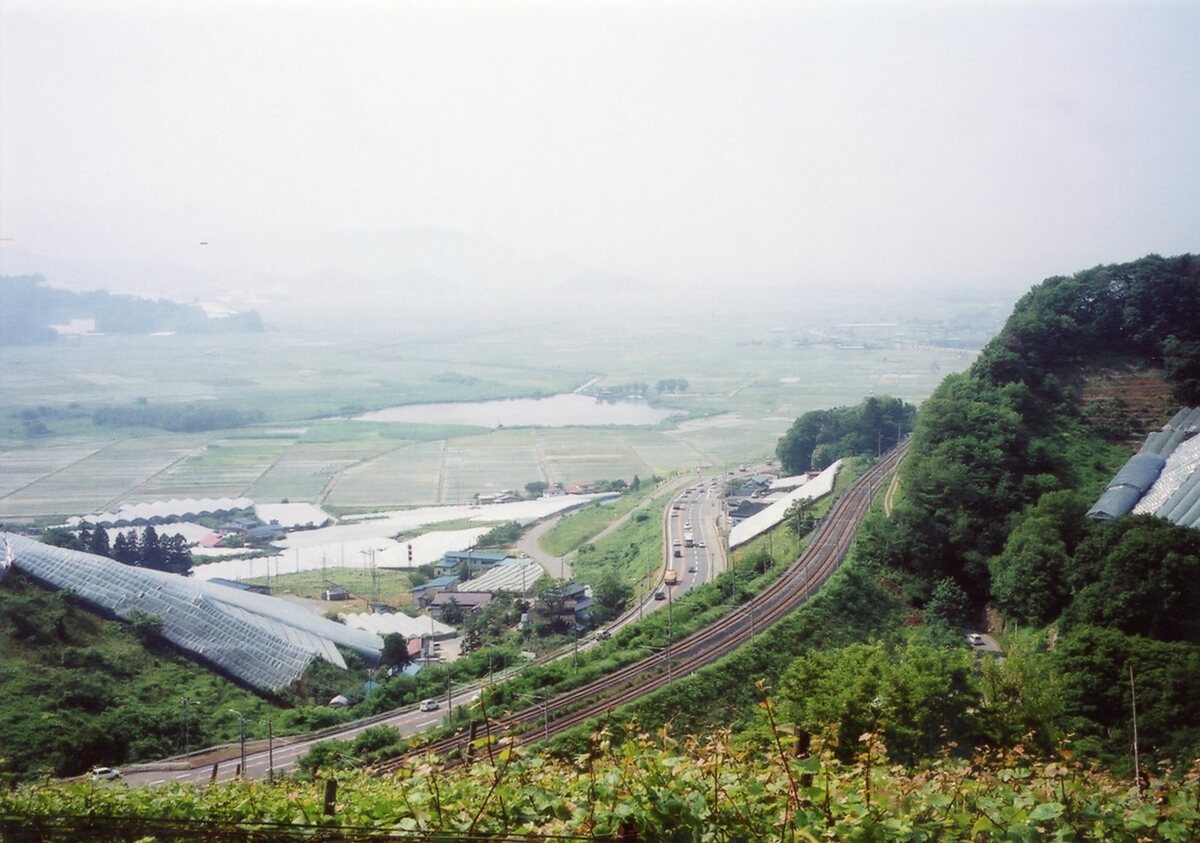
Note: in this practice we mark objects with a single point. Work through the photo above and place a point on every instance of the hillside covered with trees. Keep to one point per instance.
(1003, 465)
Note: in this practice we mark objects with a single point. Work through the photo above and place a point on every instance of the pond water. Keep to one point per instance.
(565, 410)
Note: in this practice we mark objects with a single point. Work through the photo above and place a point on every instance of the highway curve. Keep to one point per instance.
(826, 550)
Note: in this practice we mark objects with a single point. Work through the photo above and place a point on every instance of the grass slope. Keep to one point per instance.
(81, 690)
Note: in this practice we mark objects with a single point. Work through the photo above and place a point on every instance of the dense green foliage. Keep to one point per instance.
(31, 307)
(1146, 310)
(819, 437)
(708, 787)
(990, 442)
(1002, 467)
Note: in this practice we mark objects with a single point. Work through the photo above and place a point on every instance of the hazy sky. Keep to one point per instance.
(734, 144)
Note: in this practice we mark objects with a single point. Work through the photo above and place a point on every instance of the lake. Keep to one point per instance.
(570, 409)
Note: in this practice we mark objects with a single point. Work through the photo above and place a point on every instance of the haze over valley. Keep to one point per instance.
(592, 420)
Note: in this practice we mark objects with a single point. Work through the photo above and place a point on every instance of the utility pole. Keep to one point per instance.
(187, 746)
(242, 738)
(1137, 770)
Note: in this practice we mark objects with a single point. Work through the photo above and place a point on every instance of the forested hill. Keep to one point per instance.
(31, 308)
(1006, 458)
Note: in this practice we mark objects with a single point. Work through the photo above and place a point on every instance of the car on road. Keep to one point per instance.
(678, 553)
(603, 634)
(660, 595)
(692, 568)
(701, 543)
(105, 774)
(430, 705)
(976, 639)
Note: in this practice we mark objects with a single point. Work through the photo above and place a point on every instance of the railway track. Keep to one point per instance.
(827, 548)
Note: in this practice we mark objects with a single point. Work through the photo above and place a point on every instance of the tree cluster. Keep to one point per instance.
(187, 418)
(502, 535)
(671, 385)
(820, 437)
(149, 550)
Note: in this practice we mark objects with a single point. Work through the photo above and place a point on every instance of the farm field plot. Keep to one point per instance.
(304, 471)
(19, 467)
(350, 433)
(224, 468)
(406, 476)
(101, 480)
(662, 451)
(575, 455)
(487, 464)
(731, 438)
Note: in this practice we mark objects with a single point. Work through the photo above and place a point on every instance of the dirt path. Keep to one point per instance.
(889, 498)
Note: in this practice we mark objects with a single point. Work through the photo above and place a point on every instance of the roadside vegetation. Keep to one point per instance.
(657, 786)
(575, 528)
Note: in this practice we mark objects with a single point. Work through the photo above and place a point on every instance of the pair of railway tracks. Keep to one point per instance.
(829, 544)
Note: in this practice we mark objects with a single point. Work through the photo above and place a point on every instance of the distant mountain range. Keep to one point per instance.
(35, 313)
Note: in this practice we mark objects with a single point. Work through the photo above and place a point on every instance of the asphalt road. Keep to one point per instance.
(287, 751)
(698, 505)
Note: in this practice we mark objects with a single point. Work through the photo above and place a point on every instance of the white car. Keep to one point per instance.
(105, 774)
(976, 639)
(430, 705)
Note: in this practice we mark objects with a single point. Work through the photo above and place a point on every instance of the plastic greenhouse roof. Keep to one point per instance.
(160, 511)
(516, 576)
(1162, 479)
(760, 522)
(260, 640)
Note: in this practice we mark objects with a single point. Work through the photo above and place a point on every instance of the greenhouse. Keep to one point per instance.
(1162, 479)
(262, 641)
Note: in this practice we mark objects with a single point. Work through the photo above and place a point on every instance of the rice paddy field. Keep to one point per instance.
(747, 381)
